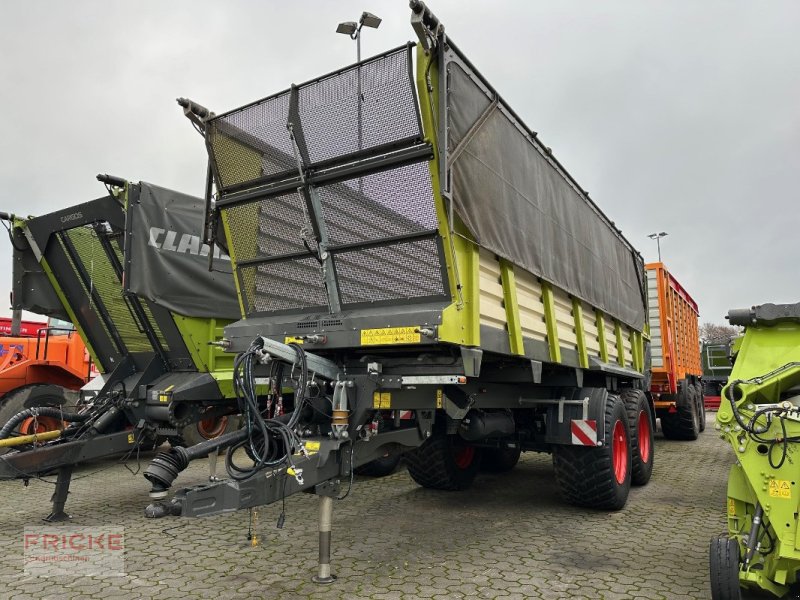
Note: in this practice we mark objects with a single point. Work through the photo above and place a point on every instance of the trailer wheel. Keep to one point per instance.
(380, 467)
(444, 462)
(30, 396)
(206, 429)
(640, 421)
(598, 477)
(684, 424)
(701, 405)
(724, 563)
(499, 460)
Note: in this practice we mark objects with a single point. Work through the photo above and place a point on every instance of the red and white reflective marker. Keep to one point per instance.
(584, 432)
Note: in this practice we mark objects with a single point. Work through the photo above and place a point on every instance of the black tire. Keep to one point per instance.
(499, 460)
(15, 402)
(444, 462)
(586, 476)
(684, 424)
(640, 414)
(723, 559)
(193, 433)
(380, 467)
(701, 405)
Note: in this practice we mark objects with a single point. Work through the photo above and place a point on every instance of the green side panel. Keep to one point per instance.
(198, 334)
(550, 322)
(620, 343)
(461, 319)
(638, 351)
(601, 335)
(512, 307)
(583, 353)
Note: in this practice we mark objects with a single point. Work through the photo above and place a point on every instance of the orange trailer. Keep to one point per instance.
(675, 365)
(42, 370)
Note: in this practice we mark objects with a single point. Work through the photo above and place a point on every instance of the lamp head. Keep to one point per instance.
(347, 27)
(369, 20)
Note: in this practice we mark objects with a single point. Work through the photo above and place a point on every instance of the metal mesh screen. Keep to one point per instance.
(380, 205)
(330, 111)
(252, 141)
(358, 108)
(270, 227)
(398, 271)
(105, 283)
(284, 285)
(368, 219)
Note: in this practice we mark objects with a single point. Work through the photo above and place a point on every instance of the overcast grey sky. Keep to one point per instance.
(678, 116)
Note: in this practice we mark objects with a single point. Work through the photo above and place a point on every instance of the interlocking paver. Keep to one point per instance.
(508, 537)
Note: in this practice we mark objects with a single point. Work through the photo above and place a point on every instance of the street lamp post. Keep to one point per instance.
(657, 237)
(353, 30)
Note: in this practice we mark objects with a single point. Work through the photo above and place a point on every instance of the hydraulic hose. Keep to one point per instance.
(40, 411)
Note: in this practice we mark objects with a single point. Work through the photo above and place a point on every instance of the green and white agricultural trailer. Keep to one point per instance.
(129, 270)
(431, 282)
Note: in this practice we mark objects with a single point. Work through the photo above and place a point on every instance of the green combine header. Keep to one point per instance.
(760, 418)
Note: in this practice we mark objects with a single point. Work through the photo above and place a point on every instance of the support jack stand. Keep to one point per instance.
(60, 496)
(326, 492)
(212, 466)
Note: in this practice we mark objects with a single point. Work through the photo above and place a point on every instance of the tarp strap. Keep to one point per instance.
(452, 157)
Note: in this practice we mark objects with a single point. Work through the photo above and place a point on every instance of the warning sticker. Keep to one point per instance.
(780, 488)
(290, 339)
(731, 507)
(131, 438)
(382, 400)
(439, 399)
(390, 335)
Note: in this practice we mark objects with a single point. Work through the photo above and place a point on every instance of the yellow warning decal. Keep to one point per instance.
(382, 400)
(780, 488)
(439, 399)
(165, 394)
(290, 339)
(731, 507)
(390, 335)
(312, 447)
(131, 438)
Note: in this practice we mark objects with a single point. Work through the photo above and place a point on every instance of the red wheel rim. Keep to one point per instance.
(464, 456)
(619, 452)
(33, 425)
(211, 428)
(645, 437)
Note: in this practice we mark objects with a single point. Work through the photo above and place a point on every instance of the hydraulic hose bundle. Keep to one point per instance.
(271, 441)
(269, 438)
(734, 394)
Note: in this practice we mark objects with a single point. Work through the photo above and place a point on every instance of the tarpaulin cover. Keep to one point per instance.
(518, 204)
(169, 262)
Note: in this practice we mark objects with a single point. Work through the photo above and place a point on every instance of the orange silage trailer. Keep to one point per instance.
(675, 365)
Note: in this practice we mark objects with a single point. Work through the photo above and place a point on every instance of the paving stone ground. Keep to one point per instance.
(508, 537)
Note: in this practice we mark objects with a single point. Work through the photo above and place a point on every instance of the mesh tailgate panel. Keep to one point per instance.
(380, 205)
(378, 209)
(104, 282)
(398, 271)
(253, 141)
